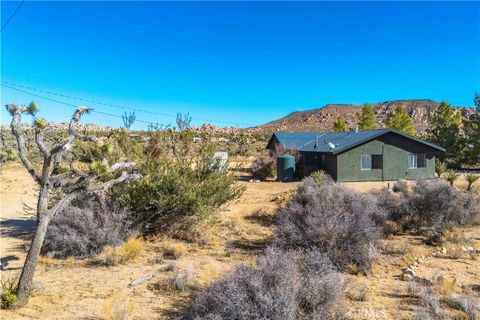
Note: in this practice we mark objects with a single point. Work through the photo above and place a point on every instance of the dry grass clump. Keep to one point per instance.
(359, 292)
(208, 274)
(180, 280)
(337, 221)
(8, 286)
(410, 254)
(445, 284)
(119, 308)
(124, 253)
(284, 285)
(172, 249)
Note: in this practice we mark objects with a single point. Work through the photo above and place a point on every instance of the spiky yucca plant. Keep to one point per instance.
(471, 179)
(451, 176)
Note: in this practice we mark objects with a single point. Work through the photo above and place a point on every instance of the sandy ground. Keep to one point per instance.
(17, 190)
(73, 289)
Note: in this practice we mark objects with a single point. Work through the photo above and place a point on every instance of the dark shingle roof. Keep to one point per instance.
(323, 141)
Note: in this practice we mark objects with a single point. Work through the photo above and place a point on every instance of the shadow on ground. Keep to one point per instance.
(17, 228)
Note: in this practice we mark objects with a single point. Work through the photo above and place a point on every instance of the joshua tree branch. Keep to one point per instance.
(40, 143)
(16, 112)
(66, 144)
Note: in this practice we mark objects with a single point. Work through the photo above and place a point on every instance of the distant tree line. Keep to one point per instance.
(461, 137)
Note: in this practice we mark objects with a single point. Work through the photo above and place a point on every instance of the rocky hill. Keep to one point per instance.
(322, 119)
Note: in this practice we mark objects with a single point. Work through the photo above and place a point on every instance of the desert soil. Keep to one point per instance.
(85, 289)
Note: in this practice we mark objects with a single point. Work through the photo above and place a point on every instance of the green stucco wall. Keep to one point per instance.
(395, 150)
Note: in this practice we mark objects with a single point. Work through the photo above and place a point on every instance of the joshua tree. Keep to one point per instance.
(128, 119)
(52, 179)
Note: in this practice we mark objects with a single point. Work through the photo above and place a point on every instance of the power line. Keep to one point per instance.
(13, 15)
(74, 105)
(122, 107)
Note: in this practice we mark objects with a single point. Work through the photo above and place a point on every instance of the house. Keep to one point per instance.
(373, 155)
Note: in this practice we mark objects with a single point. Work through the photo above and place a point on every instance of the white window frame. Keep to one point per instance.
(361, 162)
(415, 161)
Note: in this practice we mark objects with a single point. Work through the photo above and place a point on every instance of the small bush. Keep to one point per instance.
(173, 249)
(467, 304)
(264, 166)
(87, 225)
(284, 285)
(177, 195)
(180, 280)
(8, 154)
(337, 221)
(430, 205)
(440, 168)
(400, 186)
(124, 253)
(8, 286)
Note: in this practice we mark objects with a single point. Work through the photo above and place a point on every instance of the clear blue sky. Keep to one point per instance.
(242, 62)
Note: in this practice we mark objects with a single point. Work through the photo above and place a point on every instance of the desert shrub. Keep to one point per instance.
(284, 285)
(400, 186)
(440, 167)
(8, 154)
(467, 304)
(429, 300)
(264, 166)
(438, 205)
(337, 221)
(172, 249)
(177, 195)
(87, 225)
(430, 205)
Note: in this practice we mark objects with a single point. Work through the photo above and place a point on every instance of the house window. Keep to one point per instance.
(377, 161)
(421, 161)
(412, 161)
(366, 162)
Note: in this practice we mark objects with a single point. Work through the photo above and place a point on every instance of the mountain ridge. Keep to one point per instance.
(322, 119)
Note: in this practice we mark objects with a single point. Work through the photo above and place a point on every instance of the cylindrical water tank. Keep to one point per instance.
(285, 168)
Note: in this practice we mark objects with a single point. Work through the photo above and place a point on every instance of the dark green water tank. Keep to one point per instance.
(285, 168)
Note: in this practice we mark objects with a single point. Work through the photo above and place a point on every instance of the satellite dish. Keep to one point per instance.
(331, 145)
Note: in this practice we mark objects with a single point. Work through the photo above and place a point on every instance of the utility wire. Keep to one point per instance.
(74, 105)
(13, 15)
(121, 107)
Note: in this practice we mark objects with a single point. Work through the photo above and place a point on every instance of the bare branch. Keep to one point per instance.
(40, 143)
(84, 137)
(122, 166)
(15, 125)
(124, 178)
(71, 131)
(62, 204)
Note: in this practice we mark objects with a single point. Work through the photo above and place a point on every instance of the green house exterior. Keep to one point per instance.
(374, 155)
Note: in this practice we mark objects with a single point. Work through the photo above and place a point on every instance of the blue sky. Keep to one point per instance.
(241, 62)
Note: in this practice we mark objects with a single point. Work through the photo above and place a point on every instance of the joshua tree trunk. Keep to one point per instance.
(51, 179)
(25, 282)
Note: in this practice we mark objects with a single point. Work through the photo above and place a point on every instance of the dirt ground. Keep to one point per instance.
(74, 289)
